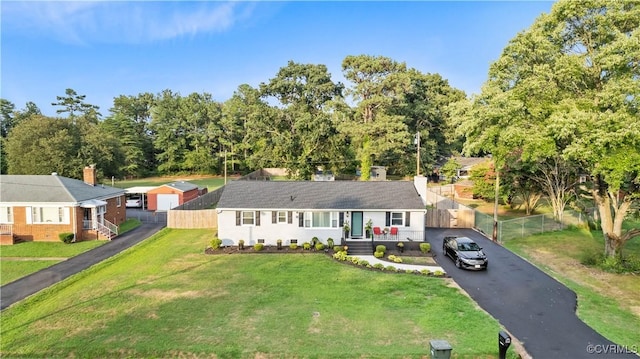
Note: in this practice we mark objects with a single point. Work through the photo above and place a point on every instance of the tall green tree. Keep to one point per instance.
(185, 131)
(74, 104)
(378, 129)
(239, 113)
(301, 134)
(129, 122)
(9, 118)
(42, 145)
(569, 87)
(425, 110)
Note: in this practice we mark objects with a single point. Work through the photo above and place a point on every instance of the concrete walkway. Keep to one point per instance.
(402, 266)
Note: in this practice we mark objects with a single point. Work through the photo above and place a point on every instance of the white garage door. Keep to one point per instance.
(167, 201)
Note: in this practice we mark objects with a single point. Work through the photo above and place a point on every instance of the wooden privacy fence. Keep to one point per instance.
(183, 219)
(197, 213)
(443, 212)
(450, 218)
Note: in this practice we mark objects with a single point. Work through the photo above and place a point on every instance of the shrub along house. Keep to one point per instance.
(40, 207)
(295, 212)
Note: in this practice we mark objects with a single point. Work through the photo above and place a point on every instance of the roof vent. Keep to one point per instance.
(54, 173)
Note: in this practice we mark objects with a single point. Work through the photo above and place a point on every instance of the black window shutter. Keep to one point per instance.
(387, 220)
(300, 219)
(238, 218)
(257, 218)
(290, 217)
(341, 219)
(274, 216)
(407, 219)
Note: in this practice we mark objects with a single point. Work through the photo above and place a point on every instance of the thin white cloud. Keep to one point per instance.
(88, 22)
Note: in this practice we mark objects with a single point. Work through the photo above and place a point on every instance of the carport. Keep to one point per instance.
(142, 191)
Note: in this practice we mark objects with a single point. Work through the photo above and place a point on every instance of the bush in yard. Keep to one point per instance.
(330, 242)
(341, 255)
(337, 248)
(395, 259)
(363, 263)
(66, 237)
(314, 241)
(391, 268)
(381, 248)
(216, 243)
(241, 244)
(319, 246)
(438, 273)
(306, 246)
(293, 246)
(425, 272)
(378, 266)
(425, 247)
(279, 243)
(378, 254)
(408, 271)
(258, 247)
(354, 260)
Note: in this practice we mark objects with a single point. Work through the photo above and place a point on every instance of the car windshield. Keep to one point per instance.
(468, 247)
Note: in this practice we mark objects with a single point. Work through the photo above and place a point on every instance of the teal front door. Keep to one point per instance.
(356, 225)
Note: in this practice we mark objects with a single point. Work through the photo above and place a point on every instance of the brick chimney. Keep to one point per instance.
(90, 177)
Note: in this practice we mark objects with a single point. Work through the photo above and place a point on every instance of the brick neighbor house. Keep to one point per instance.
(40, 207)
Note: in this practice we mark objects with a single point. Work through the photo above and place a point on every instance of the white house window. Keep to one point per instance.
(6, 214)
(321, 219)
(282, 216)
(248, 218)
(397, 219)
(49, 215)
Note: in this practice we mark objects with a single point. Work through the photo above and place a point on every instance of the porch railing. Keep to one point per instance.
(401, 236)
(108, 229)
(6, 229)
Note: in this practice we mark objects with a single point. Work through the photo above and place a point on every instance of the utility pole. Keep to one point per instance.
(494, 236)
(225, 166)
(417, 142)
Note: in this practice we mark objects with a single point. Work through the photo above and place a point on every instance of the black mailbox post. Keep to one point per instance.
(504, 341)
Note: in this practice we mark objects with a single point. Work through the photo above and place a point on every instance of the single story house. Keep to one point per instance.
(295, 212)
(171, 195)
(40, 207)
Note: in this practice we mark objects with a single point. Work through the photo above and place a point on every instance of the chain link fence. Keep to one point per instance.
(530, 225)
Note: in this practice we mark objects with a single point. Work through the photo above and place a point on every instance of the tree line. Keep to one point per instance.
(558, 114)
(300, 120)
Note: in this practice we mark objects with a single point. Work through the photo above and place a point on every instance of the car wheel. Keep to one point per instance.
(458, 263)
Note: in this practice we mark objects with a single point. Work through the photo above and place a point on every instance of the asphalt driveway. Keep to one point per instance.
(15, 291)
(538, 310)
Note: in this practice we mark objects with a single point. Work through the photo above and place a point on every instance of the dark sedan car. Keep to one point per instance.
(465, 253)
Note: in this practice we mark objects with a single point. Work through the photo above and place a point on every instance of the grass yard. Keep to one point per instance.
(165, 298)
(22, 259)
(607, 302)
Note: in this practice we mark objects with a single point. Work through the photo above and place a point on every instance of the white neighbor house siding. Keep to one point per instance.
(230, 233)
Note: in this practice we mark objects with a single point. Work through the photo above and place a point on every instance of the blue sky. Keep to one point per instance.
(106, 49)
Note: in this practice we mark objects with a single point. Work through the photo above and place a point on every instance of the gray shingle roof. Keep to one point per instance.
(182, 186)
(340, 195)
(51, 189)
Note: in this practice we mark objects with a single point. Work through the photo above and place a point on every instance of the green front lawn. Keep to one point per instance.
(31, 257)
(48, 249)
(166, 298)
(607, 302)
(12, 270)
